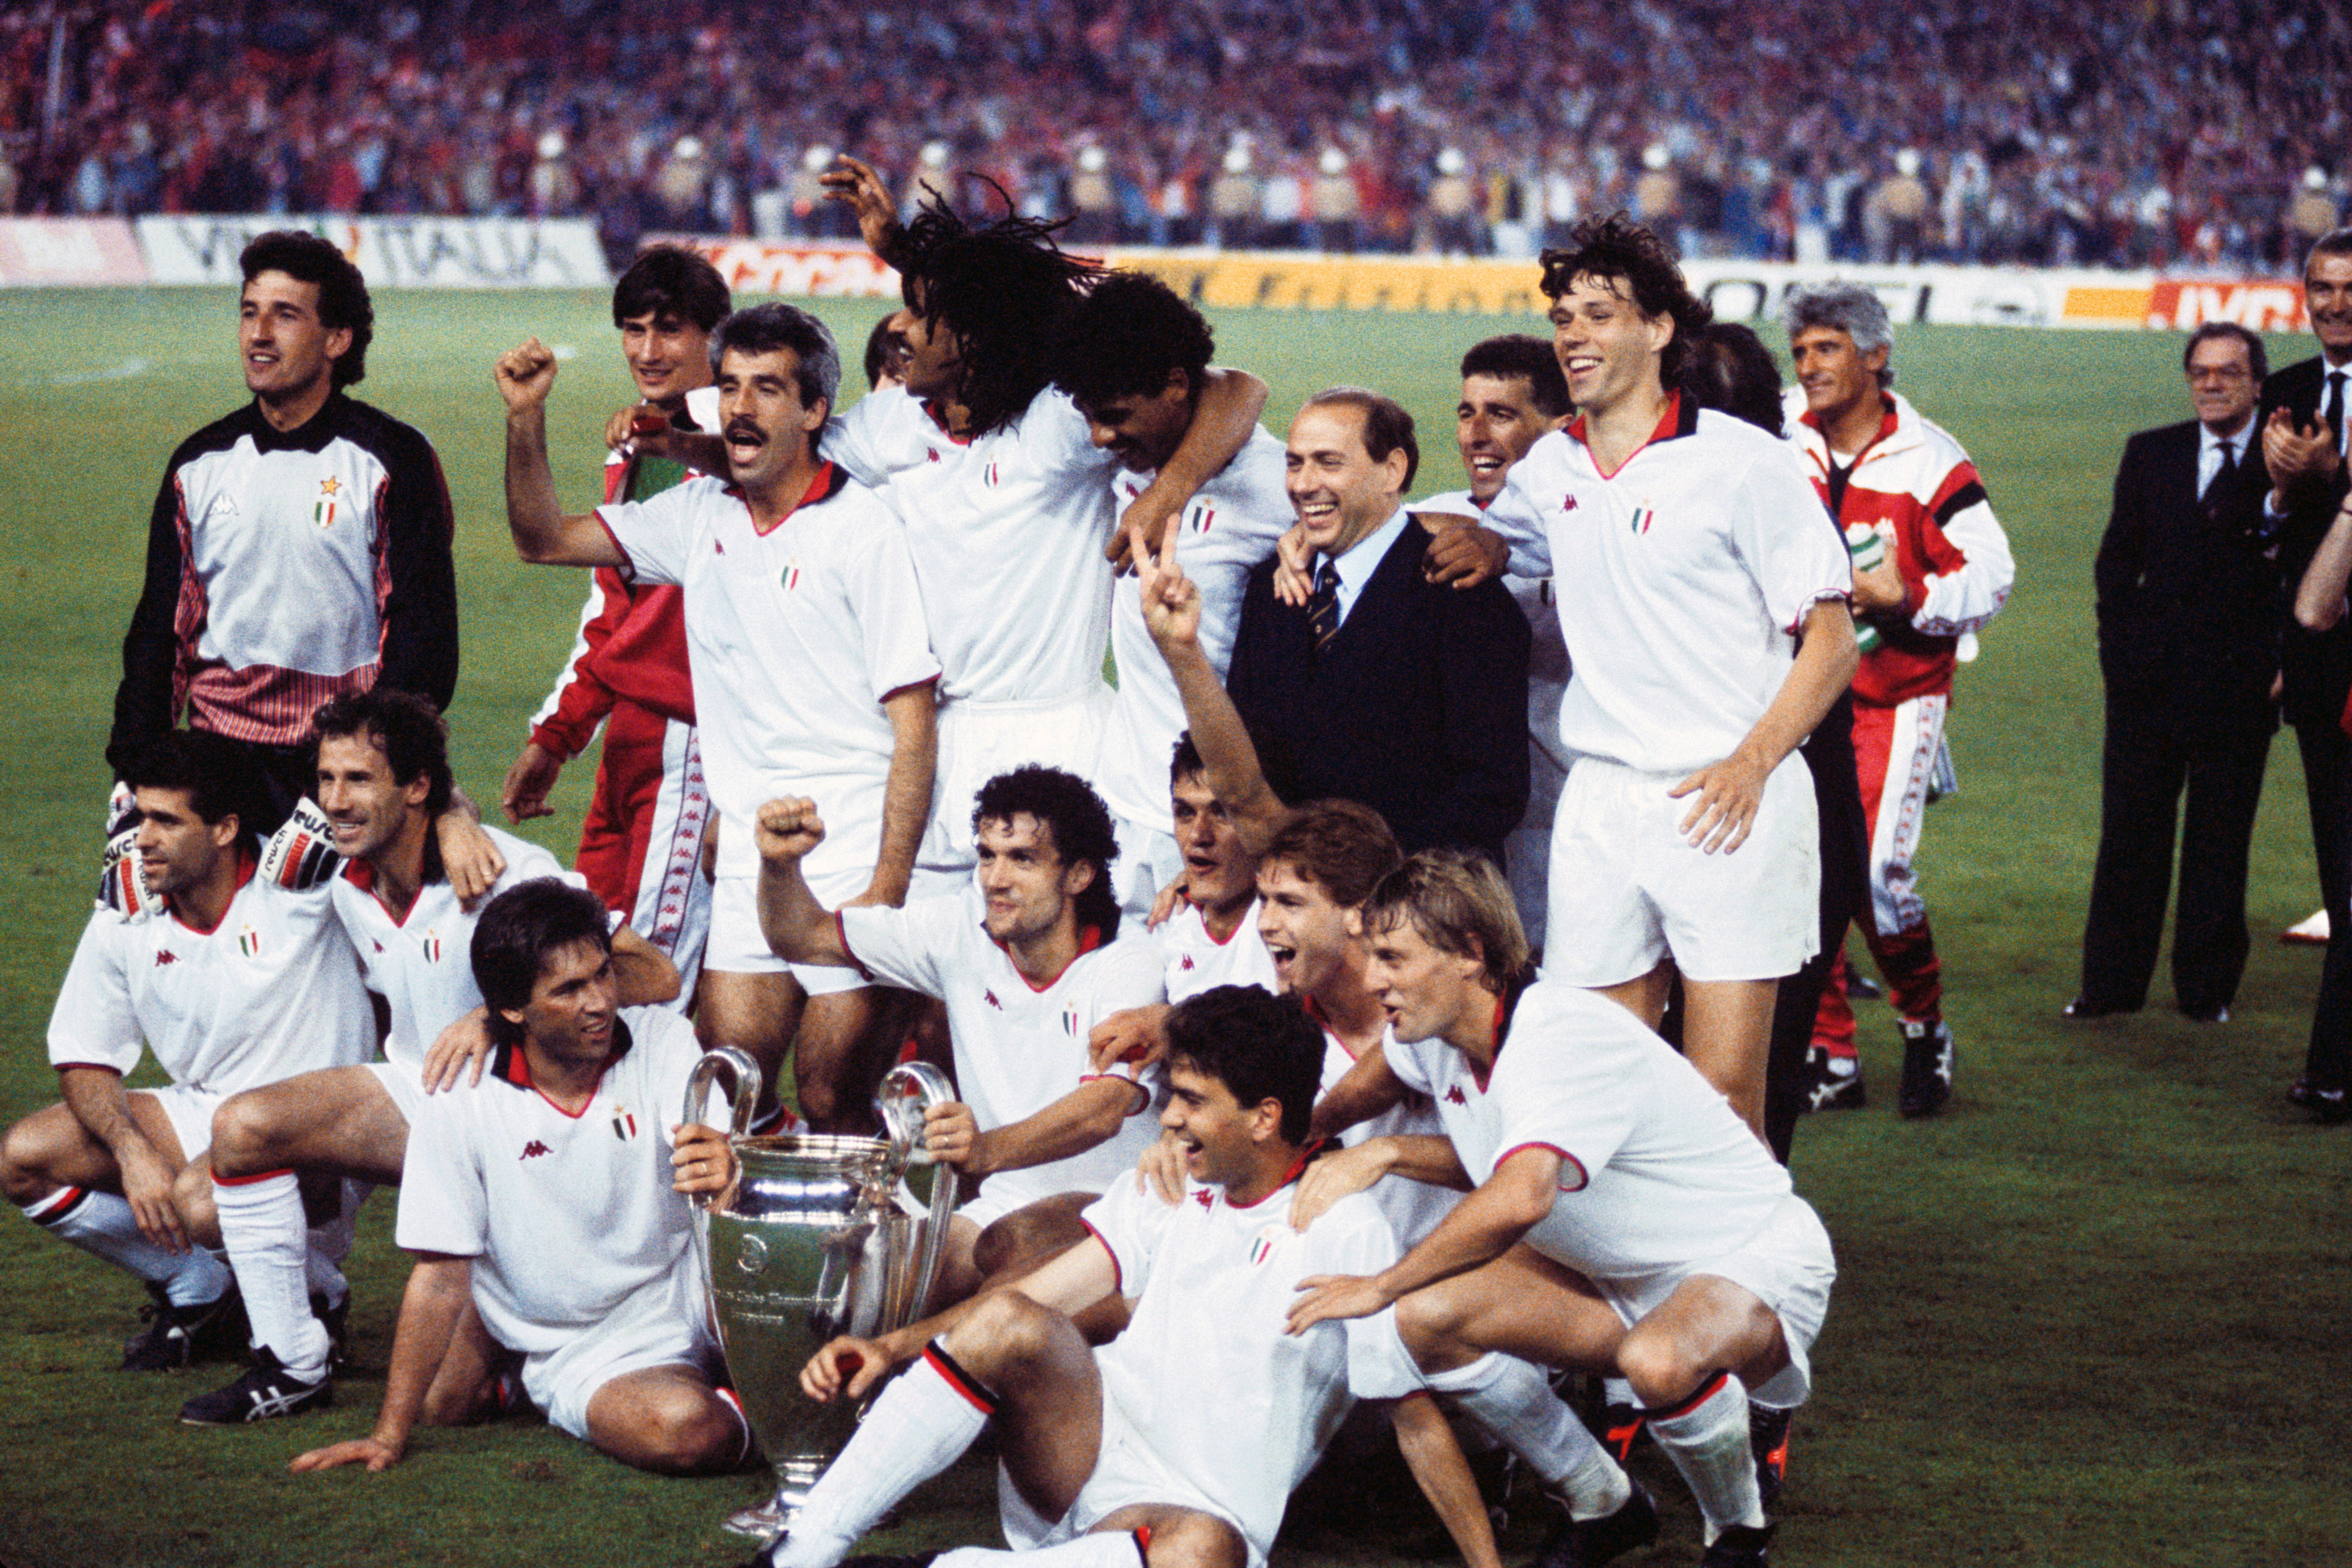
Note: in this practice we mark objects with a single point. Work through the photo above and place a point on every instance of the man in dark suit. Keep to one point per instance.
(1385, 688)
(2187, 645)
(2304, 430)
(2304, 425)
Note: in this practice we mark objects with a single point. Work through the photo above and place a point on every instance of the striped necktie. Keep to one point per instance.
(1323, 604)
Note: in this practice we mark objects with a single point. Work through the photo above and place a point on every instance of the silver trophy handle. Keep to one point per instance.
(907, 1091)
(743, 1087)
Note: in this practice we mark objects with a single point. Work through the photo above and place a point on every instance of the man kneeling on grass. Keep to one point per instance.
(1182, 1437)
(549, 1217)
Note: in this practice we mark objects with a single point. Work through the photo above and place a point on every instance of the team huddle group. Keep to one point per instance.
(1223, 958)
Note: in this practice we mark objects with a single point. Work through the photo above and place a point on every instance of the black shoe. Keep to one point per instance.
(333, 1319)
(2217, 1014)
(1621, 1428)
(1861, 988)
(1740, 1546)
(2329, 1107)
(1768, 1437)
(1826, 1090)
(2083, 1007)
(1588, 1542)
(175, 1335)
(1926, 1067)
(266, 1391)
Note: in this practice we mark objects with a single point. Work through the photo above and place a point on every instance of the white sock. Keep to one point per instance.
(1100, 1549)
(102, 1224)
(1706, 1438)
(269, 1246)
(921, 1424)
(1513, 1400)
(1617, 1391)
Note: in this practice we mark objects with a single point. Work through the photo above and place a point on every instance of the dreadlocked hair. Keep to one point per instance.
(1001, 287)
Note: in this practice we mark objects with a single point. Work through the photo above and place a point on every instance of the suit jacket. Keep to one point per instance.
(2187, 603)
(2317, 665)
(1417, 706)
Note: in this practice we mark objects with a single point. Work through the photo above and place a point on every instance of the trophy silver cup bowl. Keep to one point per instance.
(812, 1243)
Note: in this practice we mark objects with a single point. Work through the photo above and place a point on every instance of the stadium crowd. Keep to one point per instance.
(2165, 134)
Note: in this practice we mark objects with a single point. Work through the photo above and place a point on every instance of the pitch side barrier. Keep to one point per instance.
(394, 253)
(1965, 296)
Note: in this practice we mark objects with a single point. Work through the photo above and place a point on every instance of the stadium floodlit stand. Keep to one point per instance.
(2162, 133)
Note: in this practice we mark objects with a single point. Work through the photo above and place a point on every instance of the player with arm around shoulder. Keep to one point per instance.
(233, 982)
(1625, 1221)
(546, 1206)
(1182, 1439)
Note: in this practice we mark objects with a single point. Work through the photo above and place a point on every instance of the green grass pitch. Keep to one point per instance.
(2094, 1313)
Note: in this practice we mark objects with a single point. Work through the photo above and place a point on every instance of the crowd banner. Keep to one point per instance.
(51, 253)
(394, 253)
(814, 268)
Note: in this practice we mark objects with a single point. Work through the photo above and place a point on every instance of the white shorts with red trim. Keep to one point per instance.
(1788, 1266)
(979, 740)
(664, 1324)
(1127, 1474)
(1628, 889)
(738, 947)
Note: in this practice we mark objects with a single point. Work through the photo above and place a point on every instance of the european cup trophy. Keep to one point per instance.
(812, 1242)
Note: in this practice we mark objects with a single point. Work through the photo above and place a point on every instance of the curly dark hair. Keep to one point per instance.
(1074, 817)
(220, 776)
(1124, 338)
(1616, 247)
(1002, 287)
(1730, 370)
(343, 300)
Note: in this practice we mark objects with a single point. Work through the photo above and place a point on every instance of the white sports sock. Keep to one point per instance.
(1100, 1549)
(269, 1246)
(1617, 1391)
(1706, 1438)
(921, 1424)
(103, 1225)
(1513, 1400)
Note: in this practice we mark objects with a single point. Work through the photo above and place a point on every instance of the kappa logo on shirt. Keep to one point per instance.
(165, 955)
(932, 453)
(1569, 504)
(1208, 1200)
(535, 1147)
(222, 506)
(989, 998)
(1186, 963)
(1453, 1096)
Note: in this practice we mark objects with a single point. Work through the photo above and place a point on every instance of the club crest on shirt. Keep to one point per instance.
(1201, 518)
(990, 474)
(324, 511)
(1070, 1025)
(624, 1123)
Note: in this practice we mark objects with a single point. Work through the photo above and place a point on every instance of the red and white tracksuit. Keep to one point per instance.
(1915, 485)
(640, 845)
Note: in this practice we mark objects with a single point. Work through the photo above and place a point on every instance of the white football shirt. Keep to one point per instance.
(1008, 532)
(564, 1216)
(1196, 961)
(1204, 1374)
(423, 965)
(273, 990)
(1680, 580)
(1018, 1048)
(795, 636)
(1230, 525)
(1658, 1174)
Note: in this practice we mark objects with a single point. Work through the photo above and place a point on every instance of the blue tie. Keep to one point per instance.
(1323, 604)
